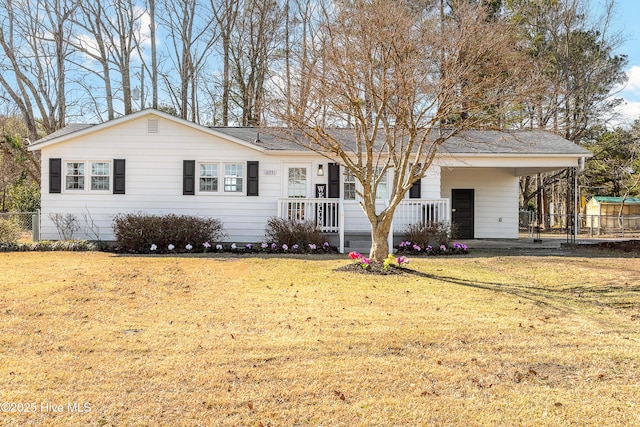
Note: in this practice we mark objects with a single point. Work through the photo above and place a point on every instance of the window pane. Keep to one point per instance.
(349, 186)
(209, 177)
(100, 176)
(100, 183)
(100, 169)
(75, 176)
(209, 169)
(381, 192)
(297, 183)
(208, 184)
(233, 175)
(75, 183)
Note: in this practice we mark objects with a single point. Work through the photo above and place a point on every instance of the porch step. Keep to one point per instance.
(362, 246)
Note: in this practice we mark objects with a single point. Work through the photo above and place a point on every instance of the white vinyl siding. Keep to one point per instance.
(496, 199)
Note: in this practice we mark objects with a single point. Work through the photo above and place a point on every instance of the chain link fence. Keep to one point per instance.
(588, 225)
(26, 223)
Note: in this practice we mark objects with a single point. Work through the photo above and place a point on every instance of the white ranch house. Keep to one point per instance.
(156, 163)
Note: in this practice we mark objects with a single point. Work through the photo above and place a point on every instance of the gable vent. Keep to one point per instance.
(152, 126)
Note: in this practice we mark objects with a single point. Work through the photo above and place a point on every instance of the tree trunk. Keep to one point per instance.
(380, 239)
(154, 54)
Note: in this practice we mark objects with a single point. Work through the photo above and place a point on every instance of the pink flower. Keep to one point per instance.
(355, 255)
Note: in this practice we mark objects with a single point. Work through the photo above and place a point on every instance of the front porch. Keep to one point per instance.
(329, 216)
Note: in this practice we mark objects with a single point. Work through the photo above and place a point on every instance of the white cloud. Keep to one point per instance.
(633, 85)
(626, 113)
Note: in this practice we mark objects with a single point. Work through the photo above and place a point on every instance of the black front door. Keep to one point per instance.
(462, 212)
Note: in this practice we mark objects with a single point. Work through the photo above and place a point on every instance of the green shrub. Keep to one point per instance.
(428, 234)
(24, 197)
(290, 232)
(136, 233)
(9, 231)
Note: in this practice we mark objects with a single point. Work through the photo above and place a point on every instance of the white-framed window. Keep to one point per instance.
(208, 177)
(382, 190)
(233, 177)
(297, 182)
(87, 175)
(349, 185)
(74, 176)
(100, 176)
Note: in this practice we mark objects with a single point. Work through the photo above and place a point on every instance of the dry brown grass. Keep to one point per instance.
(190, 341)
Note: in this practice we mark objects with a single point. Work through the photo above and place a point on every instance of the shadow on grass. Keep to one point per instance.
(621, 297)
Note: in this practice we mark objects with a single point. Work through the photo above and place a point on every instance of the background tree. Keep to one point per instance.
(34, 54)
(19, 168)
(110, 34)
(614, 169)
(254, 44)
(575, 61)
(396, 77)
(192, 33)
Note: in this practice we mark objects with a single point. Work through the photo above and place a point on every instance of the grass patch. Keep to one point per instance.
(210, 340)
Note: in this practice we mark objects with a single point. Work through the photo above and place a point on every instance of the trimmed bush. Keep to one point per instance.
(427, 234)
(136, 233)
(290, 232)
(9, 231)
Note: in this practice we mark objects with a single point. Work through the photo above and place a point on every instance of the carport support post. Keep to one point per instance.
(576, 205)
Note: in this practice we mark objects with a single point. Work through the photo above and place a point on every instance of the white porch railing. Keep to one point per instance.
(328, 214)
(324, 212)
(421, 211)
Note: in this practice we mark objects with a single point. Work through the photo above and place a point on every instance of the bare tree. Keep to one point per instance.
(395, 74)
(109, 33)
(32, 40)
(299, 43)
(253, 46)
(191, 25)
(154, 54)
(226, 15)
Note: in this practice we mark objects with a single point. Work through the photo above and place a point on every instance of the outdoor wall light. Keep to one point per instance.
(320, 170)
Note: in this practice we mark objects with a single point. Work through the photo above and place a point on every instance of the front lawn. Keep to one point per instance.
(103, 339)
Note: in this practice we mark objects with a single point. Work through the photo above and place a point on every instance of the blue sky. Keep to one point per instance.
(627, 21)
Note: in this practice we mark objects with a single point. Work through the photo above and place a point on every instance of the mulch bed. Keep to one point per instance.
(625, 245)
(373, 269)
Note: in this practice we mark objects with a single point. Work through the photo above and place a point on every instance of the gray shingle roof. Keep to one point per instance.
(525, 142)
(68, 129)
(473, 142)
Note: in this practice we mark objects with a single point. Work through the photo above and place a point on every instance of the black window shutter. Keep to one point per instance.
(55, 175)
(334, 181)
(415, 192)
(189, 177)
(118, 176)
(252, 178)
